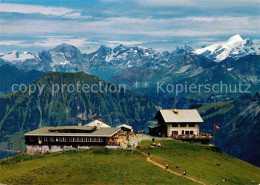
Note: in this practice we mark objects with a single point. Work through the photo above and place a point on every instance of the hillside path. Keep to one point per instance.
(171, 171)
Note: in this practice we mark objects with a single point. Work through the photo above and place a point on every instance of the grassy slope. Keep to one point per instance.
(200, 160)
(90, 167)
(221, 107)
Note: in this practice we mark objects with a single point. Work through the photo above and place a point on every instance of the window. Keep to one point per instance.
(63, 139)
(88, 139)
(183, 124)
(52, 139)
(84, 139)
(191, 124)
(45, 139)
(187, 132)
(92, 139)
(182, 132)
(31, 138)
(191, 132)
(70, 139)
(174, 124)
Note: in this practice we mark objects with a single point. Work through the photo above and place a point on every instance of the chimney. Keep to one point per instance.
(98, 125)
(79, 123)
(175, 110)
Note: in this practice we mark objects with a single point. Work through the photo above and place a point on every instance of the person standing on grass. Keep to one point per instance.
(166, 166)
(153, 140)
(184, 173)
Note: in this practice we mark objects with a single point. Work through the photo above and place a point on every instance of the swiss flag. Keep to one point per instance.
(217, 127)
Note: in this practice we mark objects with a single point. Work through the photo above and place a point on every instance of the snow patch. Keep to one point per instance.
(183, 69)
(15, 56)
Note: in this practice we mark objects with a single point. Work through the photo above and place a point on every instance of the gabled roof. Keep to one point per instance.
(154, 126)
(181, 115)
(96, 122)
(124, 126)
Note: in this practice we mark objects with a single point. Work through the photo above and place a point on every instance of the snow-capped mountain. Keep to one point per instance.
(64, 58)
(236, 47)
(124, 64)
(122, 55)
(107, 62)
(16, 56)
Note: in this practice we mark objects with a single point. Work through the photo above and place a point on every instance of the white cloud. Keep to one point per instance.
(43, 10)
(34, 9)
(10, 42)
(109, 1)
(167, 2)
(54, 41)
(125, 26)
(76, 15)
(197, 3)
(127, 43)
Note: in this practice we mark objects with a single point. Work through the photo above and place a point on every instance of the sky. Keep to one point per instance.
(30, 25)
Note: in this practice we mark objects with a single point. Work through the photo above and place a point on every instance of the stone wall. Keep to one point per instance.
(34, 149)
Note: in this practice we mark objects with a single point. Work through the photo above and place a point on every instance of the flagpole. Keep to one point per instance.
(214, 135)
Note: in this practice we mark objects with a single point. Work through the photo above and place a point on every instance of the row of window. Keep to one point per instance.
(183, 124)
(187, 132)
(69, 139)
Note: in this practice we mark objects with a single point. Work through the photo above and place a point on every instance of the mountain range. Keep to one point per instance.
(67, 58)
(126, 65)
(10, 75)
(239, 126)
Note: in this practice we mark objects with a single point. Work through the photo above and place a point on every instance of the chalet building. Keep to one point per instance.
(181, 124)
(53, 139)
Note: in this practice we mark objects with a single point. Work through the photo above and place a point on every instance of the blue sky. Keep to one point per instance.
(160, 24)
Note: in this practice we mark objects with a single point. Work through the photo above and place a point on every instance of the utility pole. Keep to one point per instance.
(214, 134)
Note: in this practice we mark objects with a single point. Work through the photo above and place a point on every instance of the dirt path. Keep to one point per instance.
(171, 171)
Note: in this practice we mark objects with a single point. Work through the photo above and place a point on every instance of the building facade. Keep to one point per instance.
(183, 124)
(53, 139)
(182, 129)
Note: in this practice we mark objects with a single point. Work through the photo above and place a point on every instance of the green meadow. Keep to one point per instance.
(117, 166)
(205, 161)
(97, 166)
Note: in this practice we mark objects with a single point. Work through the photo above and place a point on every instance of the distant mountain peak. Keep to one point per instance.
(104, 50)
(186, 49)
(65, 48)
(120, 48)
(235, 47)
(235, 38)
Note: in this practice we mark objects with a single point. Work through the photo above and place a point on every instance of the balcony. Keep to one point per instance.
(201, 135)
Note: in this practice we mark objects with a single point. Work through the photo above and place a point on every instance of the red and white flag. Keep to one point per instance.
(217, 127)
